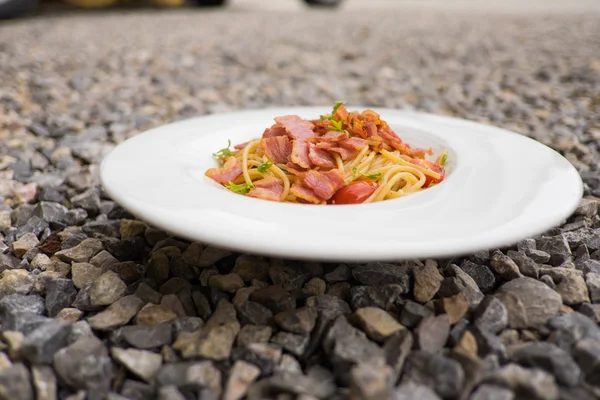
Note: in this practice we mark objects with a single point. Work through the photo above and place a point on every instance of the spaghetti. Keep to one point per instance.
(342, 158)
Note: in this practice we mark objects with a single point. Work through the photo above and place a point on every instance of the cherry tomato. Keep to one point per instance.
(354, 193)
(433, 166)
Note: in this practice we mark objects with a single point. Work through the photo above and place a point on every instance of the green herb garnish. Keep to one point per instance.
(374, 176)
(430, 185)
(336, 125)
(354, 172)
(225, 152)
(241, 189)
(443, 160)
(337, 105)
(265, 166)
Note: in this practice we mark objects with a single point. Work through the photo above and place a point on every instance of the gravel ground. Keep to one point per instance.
(96, 305)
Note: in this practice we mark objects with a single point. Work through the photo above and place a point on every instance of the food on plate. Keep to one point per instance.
(341, 158)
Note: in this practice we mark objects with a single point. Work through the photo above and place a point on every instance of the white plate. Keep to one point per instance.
(501, 188)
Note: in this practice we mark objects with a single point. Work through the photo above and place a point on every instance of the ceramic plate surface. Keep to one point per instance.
(501, 187)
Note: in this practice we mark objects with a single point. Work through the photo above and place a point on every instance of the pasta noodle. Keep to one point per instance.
(343, 158)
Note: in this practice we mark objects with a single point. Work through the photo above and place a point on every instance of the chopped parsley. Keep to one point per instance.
(225, 152)
(336, 125)
(431, 184)
(241, 189)
(337, 105)
(265, 166)
(443, 160)
(374, 176)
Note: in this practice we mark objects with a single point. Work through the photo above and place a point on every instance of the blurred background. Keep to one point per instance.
(75, 82)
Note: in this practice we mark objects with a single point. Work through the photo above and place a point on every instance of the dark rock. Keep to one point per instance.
(129, 249)
(147, 294)
(492, 392)
(587, 355)
(250, 312)
(50, 212)
(444, 375)
(264, 355)
(35, 225)
(88, 200)
(108, 227)
(503, 266)
(289, 277)
(537, 303)
(457, 331)
(250, 267)
(188, 324)
(301, 320)
(274, 298)
(254, 334)
(590, 266)
(85, 365)
(491, 314)
(202, 305)
(550, 358)
(82, 252)
(413, 313)
(411, 390)
(17, 303)
(481, 274)
(466, 285)
(147, 337)
(135, 390)
(190, 376)
(50, 194)
(117, 314)
(328, 306)
(382, 296)
(526, 383)
(39, 346)
(556, 246)
(593, 283)
(487, 342)
(526, 265)
(381, 273)
(571, 328)
(15, 383)
(586, 236)
(60, 293)
(75, 216)
(346, 346)
(592, 311)
(24, 322)
(291, 342)
(341, 273)
(396, 348)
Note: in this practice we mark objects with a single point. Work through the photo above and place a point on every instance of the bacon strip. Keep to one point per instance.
(345, 153)
(320, 157)
(277, 148)
(305, 193)
(324, 184)
(230, 171)
(333, 136)
(296, 127)
(275, 130)
(300, 153)
(269, 188)
(354, 143)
